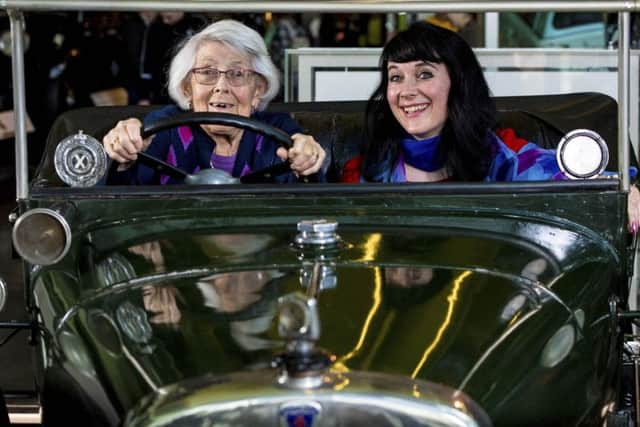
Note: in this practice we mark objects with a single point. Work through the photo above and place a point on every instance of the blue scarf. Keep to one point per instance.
(422, 153)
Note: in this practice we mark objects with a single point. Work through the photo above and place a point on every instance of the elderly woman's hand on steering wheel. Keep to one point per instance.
(123, 142)
(305, 155)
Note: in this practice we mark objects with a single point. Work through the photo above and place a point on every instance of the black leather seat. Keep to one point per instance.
(338, 126)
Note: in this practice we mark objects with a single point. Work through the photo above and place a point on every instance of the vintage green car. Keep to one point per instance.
(329, 304)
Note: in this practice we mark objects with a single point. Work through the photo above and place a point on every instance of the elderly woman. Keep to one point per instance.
(225, 68)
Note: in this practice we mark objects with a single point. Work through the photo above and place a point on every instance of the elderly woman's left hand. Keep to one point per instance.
(306, 155)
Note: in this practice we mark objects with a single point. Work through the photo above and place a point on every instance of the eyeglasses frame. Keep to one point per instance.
(194, 71)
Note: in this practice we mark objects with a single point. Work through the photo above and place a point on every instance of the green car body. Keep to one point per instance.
(523, 295)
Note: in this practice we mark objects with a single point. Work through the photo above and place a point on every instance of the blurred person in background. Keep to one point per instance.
(180, 27)
(463, 23)
(146, 40)
(100, 53)
(183, 25)
(451, 21)
(285, 31)
(340, 30)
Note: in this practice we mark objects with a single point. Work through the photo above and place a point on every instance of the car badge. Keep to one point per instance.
(582, 154)
(80, 160)
(299, 414)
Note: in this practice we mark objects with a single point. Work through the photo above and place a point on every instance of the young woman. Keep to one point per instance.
(432, 119)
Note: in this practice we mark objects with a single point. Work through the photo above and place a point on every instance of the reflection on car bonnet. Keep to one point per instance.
(244, 331)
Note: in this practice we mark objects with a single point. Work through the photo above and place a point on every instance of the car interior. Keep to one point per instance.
(338, 126)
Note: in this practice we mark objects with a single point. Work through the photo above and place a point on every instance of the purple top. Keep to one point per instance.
(224, 163)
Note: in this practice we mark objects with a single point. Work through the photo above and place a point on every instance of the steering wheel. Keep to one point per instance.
(215, 176)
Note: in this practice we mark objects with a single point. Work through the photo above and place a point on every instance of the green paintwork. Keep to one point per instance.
(509, 270)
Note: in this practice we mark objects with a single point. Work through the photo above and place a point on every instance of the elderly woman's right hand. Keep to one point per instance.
(123, 142)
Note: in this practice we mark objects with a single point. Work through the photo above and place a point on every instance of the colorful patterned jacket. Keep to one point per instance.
(514, 159)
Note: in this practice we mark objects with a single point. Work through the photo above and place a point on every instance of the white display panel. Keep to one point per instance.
(323, 74)
(360, 83)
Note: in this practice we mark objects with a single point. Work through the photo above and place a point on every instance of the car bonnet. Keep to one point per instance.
(423, 303)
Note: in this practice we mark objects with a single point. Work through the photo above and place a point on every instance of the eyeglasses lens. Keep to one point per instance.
(210, 76)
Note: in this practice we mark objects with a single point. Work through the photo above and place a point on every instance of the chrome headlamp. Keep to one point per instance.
(43, 236)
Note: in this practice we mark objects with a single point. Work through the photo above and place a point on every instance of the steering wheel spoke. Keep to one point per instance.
(204, 177)
(266, 174)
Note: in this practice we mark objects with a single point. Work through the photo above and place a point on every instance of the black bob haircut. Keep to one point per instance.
(465, 142)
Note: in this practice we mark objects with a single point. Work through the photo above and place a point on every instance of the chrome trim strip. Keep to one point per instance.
(624, 22)
(3, 293)
(16, 18)
(330, 6)
(438, 410)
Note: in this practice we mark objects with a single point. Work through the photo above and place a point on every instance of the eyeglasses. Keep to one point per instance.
(210, 75)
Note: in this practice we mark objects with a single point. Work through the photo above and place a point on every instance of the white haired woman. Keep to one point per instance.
(223, 68)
